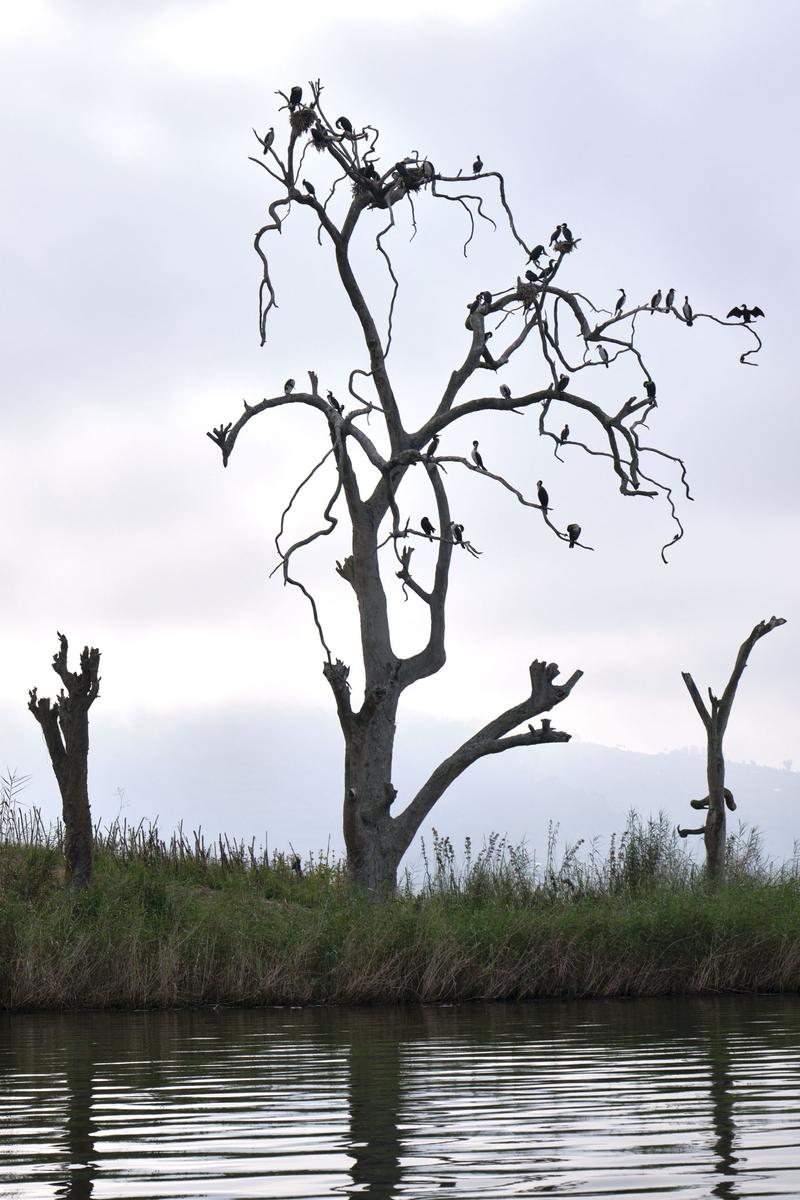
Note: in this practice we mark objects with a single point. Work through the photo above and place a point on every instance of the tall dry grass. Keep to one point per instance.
(174, 921)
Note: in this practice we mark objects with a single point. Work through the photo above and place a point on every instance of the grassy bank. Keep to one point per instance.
(177, 922)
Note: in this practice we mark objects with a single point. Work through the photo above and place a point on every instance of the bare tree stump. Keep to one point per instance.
(65, 725)
(715, 720)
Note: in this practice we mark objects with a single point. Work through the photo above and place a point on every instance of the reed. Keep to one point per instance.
(178, 921)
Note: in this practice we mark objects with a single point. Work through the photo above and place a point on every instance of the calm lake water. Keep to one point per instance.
(683, 1098)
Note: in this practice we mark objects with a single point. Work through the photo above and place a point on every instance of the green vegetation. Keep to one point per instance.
(178, 922)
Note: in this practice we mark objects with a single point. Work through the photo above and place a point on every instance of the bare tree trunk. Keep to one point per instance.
(715, 719)
(65, 725)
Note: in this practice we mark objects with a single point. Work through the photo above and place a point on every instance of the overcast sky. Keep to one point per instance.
(663, 131)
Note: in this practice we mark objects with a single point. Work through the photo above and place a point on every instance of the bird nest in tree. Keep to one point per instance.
(302, 119)
(565, 247)
(526, 292)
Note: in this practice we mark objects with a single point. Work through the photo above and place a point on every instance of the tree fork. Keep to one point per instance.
(715, 717)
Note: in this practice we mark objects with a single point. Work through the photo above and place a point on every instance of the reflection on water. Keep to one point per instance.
(684, 1098)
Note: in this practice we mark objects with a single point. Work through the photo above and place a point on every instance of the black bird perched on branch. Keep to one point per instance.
(427, 528)
(650, 389)
(476, 457)
(556, 234)
(574, 531)
(669, 299)
(457, 532)
(334, 403)
(309, 188)
(429, 453)
(343, 124)
(566, 233)
(295, 97)
(477, 166)
(563, 383)
(288, 387)
(601, 350)
(564, 435)
(505, 391)
(531, 276)
(535, 254)
(620, 302)
(687, 311)
(267, 140)
(743, 313)
(655, 300)
(541, 492)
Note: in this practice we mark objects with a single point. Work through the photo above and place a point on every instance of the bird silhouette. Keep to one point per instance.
(505, 391)
(601, 350)
(620, 302)
(650, 389)
(687, 311)
(564, 435)
(669, 299)
(563, 383)
(334, 402)
(288, 387)
(574, 531)
(541, 492)
(535, 254)
(655, 300)
(745, 314)
(429, 453)
(343, 124)
(295, 96)
(476, 457)
(427, 528)
(477, 166)
(309, 188)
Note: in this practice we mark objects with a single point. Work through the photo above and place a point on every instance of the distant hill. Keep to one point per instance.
(278, 775)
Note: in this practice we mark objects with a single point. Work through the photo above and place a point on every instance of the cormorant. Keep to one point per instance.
(620, 302)
(505, 391)
(574, 531)
(655, 300)
(457, 532)
(427, 528)
(531, 276)
(650, 389)
(563, 383)
(485, 298)
(295, 96)
(601, 350)
(476, 457)
(687, 311)
(343, 124)
(309, 188)
(535, 254)
(334, 403)
(541, 492)
(556, 234)
(319, 137)
(288, 386)
(429, 453)
(566, 233)
(477, 166)
(268, 139)
(743, 313)
(669, 300)
(564, 436)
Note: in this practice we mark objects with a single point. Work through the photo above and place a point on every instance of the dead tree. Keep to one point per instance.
(354, 193)
(715, 720)
(65, 725)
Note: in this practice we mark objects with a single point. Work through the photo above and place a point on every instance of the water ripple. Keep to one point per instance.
(684, 1099)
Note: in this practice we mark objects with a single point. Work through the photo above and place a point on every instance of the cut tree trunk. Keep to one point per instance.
(715, 717)
(65, 726)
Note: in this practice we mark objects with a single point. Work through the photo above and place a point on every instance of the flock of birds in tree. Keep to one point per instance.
(562, 241)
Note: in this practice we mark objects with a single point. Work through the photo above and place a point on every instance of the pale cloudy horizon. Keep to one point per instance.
(662, 133)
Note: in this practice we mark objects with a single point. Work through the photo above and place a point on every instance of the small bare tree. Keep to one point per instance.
(536, 309)
(65, 725)
(715, 719)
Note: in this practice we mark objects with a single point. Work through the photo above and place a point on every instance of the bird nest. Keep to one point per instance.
(302, 119)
